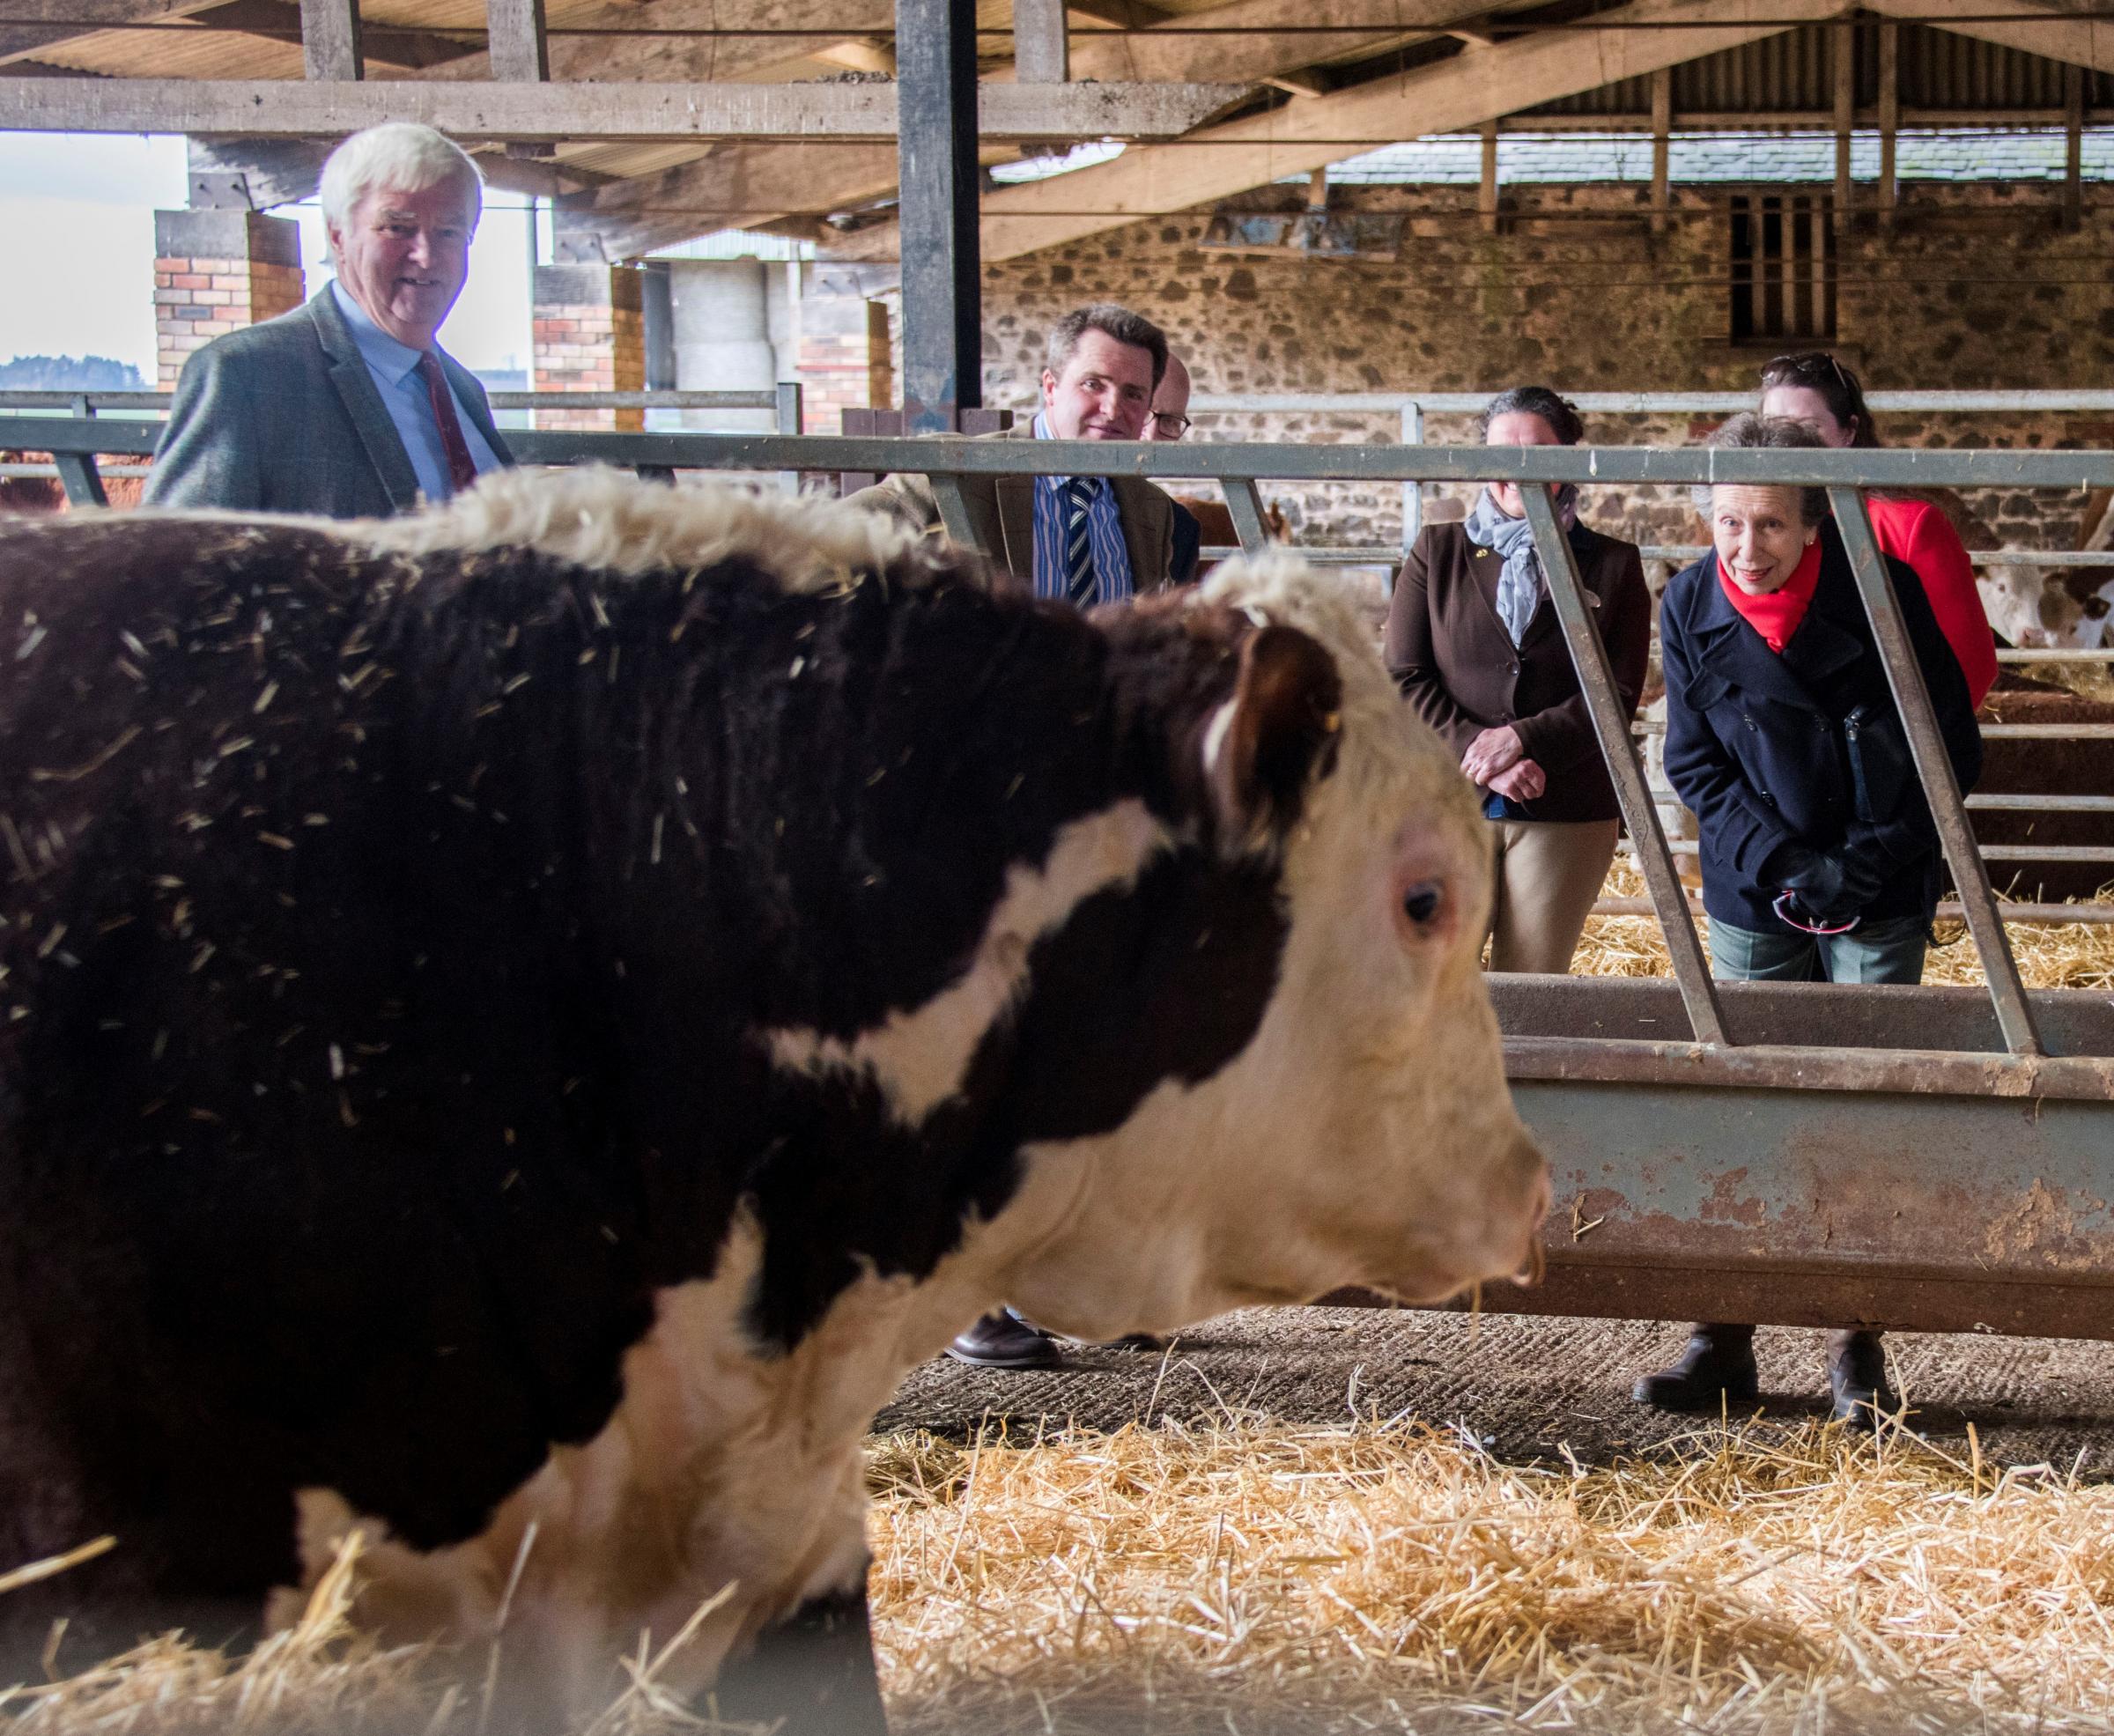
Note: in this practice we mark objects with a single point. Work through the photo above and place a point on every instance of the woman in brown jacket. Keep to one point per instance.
(1473, 643)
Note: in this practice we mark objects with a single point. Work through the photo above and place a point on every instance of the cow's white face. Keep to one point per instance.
(2033, 609)
(1365, 1135)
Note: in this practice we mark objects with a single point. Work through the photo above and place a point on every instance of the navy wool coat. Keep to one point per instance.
(1805, 746)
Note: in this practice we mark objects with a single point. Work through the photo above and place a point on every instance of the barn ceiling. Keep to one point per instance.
(1315, 81)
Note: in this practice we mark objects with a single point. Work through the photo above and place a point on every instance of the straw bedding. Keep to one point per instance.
(1248, 1577)
(2067, 955)
(1251, 1577)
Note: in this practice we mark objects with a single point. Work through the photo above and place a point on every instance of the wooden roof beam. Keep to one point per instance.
(2054, 35)
(745, 185)
(1463, 92)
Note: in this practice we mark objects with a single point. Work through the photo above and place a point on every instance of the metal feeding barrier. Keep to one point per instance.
(1801, 1154)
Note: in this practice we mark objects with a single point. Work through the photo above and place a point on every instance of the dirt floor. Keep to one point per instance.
(1526, 1388)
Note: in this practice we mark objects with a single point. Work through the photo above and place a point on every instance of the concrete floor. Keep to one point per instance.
(1527, 1387)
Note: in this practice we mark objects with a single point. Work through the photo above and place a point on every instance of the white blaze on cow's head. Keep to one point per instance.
(1365, 1135)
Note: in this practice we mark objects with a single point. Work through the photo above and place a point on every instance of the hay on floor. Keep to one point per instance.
(1269, 1578)
(1253, 1578)
(2067, 955)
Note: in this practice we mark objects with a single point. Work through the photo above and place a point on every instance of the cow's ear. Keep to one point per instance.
(1278, 730)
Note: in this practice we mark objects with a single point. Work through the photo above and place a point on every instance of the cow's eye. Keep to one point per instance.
(1422, 903)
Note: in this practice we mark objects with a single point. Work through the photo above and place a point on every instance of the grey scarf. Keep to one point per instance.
(1519, 581)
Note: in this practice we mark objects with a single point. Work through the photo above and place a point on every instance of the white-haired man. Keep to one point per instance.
(347, 407)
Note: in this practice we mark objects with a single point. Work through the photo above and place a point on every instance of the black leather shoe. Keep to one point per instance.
(1717, 1368)
(1857, 1379)
(1004, 1340)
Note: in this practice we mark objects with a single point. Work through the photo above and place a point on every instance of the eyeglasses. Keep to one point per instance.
(1171, 427)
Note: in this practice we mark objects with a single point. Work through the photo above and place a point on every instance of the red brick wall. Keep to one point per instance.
(590, 336)
(215, 271)
(844, 359)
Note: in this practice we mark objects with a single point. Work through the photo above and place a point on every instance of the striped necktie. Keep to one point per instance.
(1080, 583)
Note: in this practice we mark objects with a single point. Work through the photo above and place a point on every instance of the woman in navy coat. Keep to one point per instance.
(1820, 860)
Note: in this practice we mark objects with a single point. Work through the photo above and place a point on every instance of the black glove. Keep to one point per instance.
(1824, 887)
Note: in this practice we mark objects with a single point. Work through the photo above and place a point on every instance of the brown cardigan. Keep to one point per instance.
(1452, 657)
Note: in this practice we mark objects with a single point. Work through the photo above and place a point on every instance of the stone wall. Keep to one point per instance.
(1976, 286)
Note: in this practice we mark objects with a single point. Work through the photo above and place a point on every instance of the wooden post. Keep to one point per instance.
(330, 40)
(1889, 121)
(519, 51)
(943, 303)
(1662, 130)
(1041, 47)
(1486, 198)
(2073, 146)
(1845, 117)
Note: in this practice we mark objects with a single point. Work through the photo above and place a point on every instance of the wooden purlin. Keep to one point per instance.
(745, 185)
(1466, 91)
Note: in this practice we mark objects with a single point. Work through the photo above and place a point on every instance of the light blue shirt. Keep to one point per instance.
(394, 367)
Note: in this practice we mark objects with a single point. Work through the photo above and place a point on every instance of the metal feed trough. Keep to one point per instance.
(1807, 1154)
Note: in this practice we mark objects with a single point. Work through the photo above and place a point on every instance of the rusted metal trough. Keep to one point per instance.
(1802, 1154)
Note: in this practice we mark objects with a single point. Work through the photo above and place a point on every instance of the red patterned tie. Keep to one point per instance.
(461, 468)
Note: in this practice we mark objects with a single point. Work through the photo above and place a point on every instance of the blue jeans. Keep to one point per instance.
(1873, 952)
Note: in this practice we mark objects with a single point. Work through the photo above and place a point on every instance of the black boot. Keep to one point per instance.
(1717, 1368)
(1857, 1379)
(1004, 1340)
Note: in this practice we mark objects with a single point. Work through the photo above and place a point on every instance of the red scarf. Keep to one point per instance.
(1777, 615)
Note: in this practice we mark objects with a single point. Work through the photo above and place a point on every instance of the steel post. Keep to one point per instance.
(1243, 506)
(1611, 725)
(942, 315)
(1926, 745)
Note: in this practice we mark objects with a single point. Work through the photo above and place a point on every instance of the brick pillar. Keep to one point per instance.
(215, 271)
(590, 336)
(843, 357)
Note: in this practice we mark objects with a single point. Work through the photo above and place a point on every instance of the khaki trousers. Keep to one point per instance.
(1549, 874)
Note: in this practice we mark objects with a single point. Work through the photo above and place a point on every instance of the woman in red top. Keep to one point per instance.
(1813, 388)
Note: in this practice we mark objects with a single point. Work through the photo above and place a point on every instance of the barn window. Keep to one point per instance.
(1783, 255)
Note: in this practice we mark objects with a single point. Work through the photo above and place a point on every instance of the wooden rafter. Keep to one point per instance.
(749, 185)
(318, 108)
(1449, 96)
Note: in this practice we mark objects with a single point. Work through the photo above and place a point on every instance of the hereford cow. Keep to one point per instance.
(519, 1025)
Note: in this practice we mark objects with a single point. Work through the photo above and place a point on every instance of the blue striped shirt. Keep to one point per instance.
(1105, 534)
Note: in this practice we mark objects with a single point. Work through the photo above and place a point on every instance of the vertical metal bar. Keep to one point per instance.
(1844, 41)
(953, 503)
(83, 481)
(1662, 150)
(936, 95)
(1244, 506)
(2073, 146)
(1926, 744)
(330, 40)
(1412, 492)
(1611, 726)
(789, 415)
(1889, 121)
(1041, 48)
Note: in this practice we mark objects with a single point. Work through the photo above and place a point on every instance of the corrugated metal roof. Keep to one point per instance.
(1794, 73)
(1727, 159)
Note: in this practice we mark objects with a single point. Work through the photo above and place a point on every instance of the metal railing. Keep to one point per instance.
(1412, 407)
(2026, 1067)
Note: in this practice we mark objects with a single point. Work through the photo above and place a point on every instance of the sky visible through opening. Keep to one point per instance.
(79, 277)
